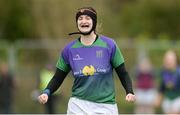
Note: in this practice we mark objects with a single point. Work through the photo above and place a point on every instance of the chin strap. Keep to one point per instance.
(74, 33)
(88, 33)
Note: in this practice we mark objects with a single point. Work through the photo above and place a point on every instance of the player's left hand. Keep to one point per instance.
(130, 97)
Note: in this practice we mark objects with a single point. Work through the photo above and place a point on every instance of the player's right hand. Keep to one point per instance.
(43, 98)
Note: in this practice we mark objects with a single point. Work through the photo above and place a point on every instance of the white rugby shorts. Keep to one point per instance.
(170, 106)
(81, 107)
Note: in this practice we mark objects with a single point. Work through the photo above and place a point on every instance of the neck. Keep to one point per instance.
(88, 39)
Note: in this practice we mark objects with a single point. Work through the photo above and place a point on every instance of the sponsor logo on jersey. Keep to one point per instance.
(88, 70)
(77, 57)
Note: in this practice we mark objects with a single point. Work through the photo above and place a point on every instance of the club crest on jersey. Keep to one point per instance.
(77, 57)
(99, 53)
(88, 70)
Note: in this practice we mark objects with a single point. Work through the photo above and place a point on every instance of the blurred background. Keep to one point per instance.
(33, 33)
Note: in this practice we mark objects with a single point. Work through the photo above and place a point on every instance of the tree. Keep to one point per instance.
(151, 18)
(16, 21)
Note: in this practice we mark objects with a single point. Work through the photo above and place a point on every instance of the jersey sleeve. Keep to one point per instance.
(116, 57)
(63, 62)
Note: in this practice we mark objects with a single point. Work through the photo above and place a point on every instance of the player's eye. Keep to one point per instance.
(80, 18)
(88, 18)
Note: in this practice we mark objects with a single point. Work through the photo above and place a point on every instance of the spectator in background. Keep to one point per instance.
(145, 87)
(45, 76)
(169, 93)
(6, 88)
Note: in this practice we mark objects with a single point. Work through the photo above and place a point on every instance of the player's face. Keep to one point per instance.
(84, 23)
(170, 61)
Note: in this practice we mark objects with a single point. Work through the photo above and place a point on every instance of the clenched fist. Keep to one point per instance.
(130, 97)
(43, 98)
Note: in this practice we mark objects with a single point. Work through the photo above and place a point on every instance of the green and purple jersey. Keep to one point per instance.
(92, 67)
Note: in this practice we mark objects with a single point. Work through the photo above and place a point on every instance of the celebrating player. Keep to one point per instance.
(91, 58)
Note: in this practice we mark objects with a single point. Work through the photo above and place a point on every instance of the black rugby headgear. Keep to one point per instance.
(91, 13)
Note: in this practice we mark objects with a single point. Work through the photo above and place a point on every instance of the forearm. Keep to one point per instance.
(124, 78)
(55, 82)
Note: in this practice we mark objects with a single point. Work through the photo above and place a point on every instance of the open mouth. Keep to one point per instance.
(84, 26)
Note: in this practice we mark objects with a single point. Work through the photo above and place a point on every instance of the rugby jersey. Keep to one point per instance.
(92, 68)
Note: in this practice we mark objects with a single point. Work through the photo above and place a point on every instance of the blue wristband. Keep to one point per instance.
(47, 91)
